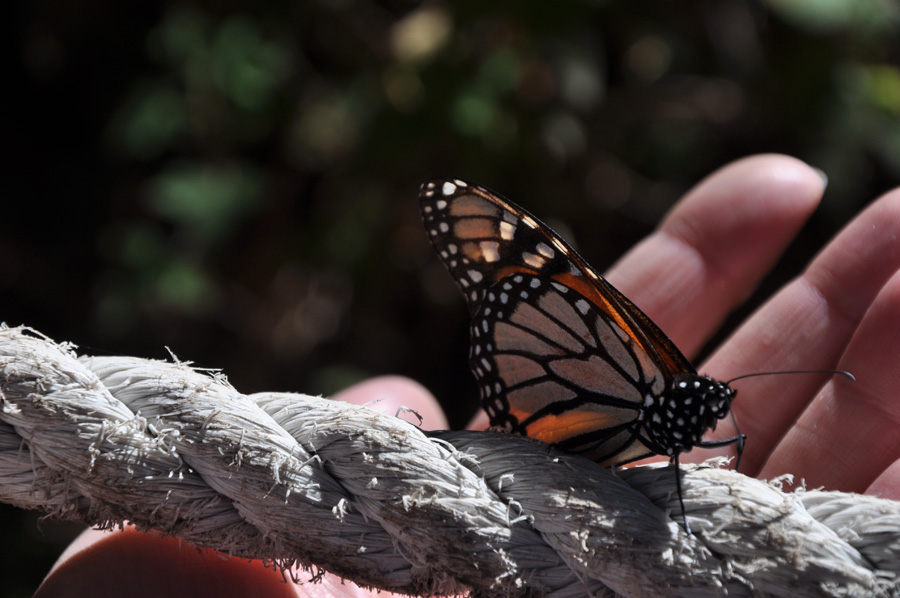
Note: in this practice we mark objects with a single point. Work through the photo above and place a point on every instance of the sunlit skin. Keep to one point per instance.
(707, 256)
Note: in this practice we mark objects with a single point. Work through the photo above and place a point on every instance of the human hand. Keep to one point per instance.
(708, 255)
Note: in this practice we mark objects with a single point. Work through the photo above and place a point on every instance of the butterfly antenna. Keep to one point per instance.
(844, 373)
(740, 438)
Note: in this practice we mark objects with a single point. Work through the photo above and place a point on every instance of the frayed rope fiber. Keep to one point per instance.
(298, 480)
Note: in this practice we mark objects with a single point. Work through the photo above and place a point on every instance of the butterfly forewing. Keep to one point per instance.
(482, 238)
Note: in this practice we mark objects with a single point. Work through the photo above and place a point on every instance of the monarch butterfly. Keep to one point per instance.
(558, 352)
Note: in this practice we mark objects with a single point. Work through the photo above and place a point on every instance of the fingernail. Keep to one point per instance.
(822, 176)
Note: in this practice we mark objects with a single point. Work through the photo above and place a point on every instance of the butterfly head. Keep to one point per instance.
(693, 404)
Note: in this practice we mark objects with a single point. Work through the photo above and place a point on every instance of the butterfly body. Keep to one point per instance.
(558, 352)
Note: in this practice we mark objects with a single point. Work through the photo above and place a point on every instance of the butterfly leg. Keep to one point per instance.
(687, 526)
(740, 439)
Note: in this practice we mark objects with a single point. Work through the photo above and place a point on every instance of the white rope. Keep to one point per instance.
(301, 480)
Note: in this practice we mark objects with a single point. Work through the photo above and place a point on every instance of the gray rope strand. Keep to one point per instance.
(330, 486)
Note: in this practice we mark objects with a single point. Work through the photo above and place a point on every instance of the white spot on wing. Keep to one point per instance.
(535, 261)
(545, 250)
(448, 188)
(490, 251)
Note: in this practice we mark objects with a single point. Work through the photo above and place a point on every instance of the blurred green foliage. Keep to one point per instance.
(237, 181)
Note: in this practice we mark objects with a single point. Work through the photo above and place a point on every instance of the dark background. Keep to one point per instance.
(236, 181)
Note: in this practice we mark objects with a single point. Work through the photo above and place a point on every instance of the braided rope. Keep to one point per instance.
(301, 480)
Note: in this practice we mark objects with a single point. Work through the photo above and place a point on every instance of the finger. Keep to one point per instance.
(138, 564)
(394, 394)
(850, 433)
(887, 485)
(102, 563)
(716, 244)
(481, 421)
(807, 325)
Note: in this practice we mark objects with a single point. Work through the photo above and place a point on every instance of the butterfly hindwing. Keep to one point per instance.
(533, 339)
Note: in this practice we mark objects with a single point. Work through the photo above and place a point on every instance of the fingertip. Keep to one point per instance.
(390, 393)
(822, 176)
(782, 167)
(479, 422)
(774, 187)
(85, 540)
(800, 183)
(716, 244)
